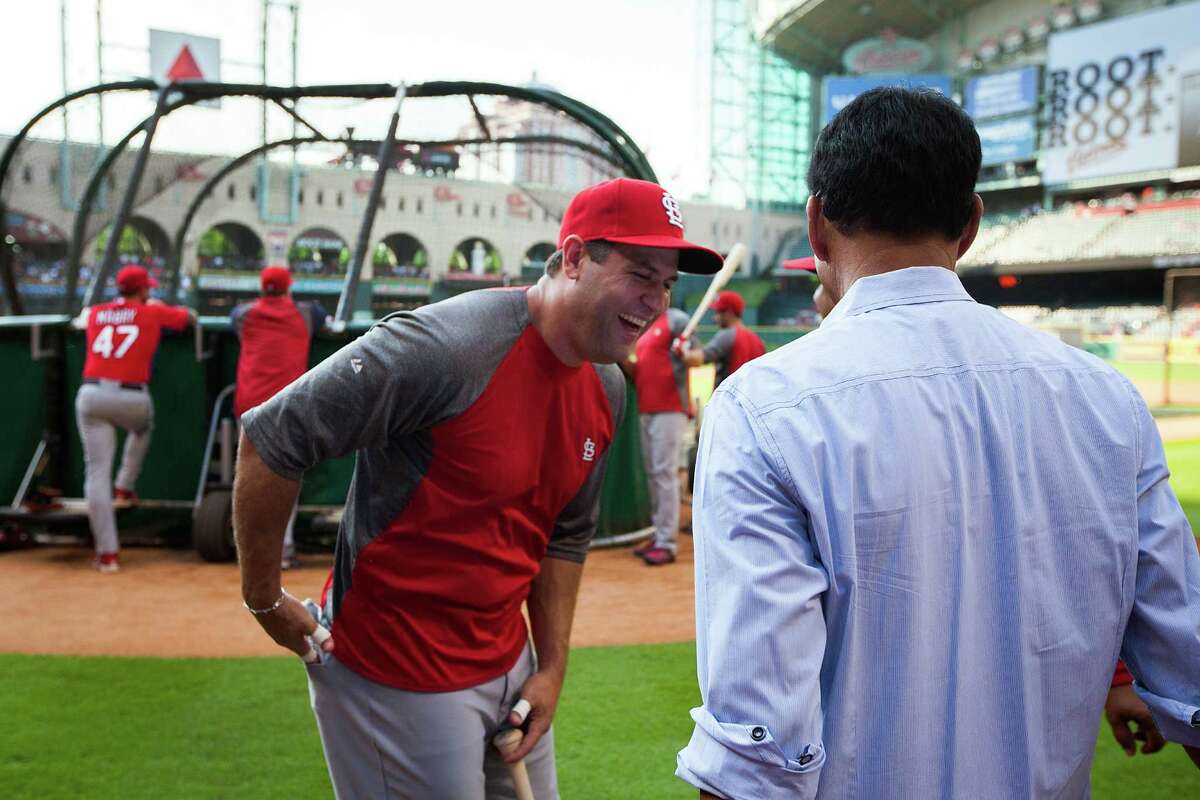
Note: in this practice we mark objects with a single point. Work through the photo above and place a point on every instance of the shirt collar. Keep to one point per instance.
(901, 287)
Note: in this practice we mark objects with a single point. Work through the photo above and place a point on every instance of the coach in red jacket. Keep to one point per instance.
(276, 333)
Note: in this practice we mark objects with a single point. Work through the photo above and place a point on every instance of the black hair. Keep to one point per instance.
(897, 161)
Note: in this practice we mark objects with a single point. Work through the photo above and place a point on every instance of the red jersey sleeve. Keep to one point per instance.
(173, 318)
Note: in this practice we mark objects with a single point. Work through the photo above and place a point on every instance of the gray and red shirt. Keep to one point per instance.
(730, 348)
(478, 454)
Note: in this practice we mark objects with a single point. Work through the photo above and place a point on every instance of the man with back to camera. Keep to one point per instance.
(122, 338)
(924, 532)
(275, 333)
(732, 346)
(481, 431)
(1128, 717)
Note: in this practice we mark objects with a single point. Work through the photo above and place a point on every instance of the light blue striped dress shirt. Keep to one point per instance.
(923, 534)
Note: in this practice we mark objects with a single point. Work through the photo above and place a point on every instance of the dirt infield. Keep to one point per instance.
(170, 603)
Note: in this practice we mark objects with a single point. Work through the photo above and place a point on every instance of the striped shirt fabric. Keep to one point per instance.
(924, 534)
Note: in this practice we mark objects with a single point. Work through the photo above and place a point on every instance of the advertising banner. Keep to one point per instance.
(1007, 140)
(180, 57)
(840, 90)
(1123, 96)
(1011, 92)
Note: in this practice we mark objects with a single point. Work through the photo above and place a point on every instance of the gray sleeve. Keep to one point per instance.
(677, 319)
(237, 317)
(407, 373)
(719, 346)
(576, 525)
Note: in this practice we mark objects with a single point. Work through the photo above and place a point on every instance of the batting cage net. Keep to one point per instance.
(248, 155)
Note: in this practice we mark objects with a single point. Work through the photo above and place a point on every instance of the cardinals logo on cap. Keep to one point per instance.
(674, 214)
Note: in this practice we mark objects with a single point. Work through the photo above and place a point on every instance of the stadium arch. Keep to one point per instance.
(400, 255)
(142, 240)
(232, 246)
(319, 251)
(476, 255)
(536, 255)
(37, 249)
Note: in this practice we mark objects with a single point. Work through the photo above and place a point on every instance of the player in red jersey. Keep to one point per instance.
(122, 337)
(664, 407)
(480, 427)
(734, 344)
(275, 334)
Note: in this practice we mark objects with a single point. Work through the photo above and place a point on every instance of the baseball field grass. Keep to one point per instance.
(242, 728)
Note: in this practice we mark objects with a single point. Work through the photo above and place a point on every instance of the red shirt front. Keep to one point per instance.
(435, 603)
(661, 378)
(747, 346)
(122, 337)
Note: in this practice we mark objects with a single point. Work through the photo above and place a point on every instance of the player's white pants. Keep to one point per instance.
(389, 744)
(661, 437)
(101, 408)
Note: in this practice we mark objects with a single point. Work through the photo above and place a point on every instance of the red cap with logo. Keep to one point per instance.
(808, 264)
(635, 212)
(729, 301)
(277, 278)
(134, 278)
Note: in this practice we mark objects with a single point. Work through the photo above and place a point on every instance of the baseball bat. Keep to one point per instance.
(507, 741)
(737, 254)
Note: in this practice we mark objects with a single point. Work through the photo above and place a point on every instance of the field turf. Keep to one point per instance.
(241, 727)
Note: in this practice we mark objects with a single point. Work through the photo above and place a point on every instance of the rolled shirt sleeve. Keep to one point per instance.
(1162, 639)
(760, 637)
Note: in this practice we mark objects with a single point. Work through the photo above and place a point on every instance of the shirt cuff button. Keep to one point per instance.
(758, 733)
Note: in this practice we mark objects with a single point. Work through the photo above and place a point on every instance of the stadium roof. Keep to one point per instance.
(814, 33)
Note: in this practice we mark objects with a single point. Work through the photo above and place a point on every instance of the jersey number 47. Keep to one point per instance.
(103, 344)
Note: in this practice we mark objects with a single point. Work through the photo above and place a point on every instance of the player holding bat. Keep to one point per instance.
(481, 426)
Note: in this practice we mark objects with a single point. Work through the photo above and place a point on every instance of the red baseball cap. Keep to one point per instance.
(277, 278)
(133, 278)
(635, 212)
(729, 301)
(808, 264)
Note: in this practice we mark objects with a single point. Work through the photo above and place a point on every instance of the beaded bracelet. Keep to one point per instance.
(258, 612)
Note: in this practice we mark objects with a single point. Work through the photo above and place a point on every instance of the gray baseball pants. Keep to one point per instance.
(662, 435)
(390, 744)
(101, 408)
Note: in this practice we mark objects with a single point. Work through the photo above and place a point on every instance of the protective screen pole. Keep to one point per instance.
(104, 271)
(384, 159)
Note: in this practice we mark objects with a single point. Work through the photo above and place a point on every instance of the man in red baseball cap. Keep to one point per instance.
(734, 344)
(480, 427)
(122, 338)
(275, 334)
(633, 212)
(820, 299)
